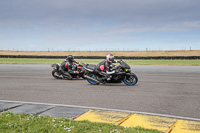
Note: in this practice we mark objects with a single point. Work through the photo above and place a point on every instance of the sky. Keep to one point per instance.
(99, 25)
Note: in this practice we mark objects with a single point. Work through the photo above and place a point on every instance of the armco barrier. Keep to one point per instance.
(103, 57)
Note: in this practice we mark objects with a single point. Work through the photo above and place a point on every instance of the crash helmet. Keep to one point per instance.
(70, 58)
(110, 58)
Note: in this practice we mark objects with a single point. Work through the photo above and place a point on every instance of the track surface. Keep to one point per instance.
(171, 90)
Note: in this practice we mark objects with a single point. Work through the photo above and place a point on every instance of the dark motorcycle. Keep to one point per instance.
(119, 73)
(57, 74)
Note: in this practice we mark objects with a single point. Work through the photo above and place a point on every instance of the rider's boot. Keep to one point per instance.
(67, 75)
(109, 77)
(106, 76)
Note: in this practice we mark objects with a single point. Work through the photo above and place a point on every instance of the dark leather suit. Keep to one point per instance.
(104, 66)
(66, 68)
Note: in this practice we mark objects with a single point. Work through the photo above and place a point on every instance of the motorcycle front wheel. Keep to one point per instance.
(55, 74)
(130, 80)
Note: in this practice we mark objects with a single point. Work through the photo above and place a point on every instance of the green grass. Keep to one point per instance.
(18, 123)
(165, 62)
(96, 61)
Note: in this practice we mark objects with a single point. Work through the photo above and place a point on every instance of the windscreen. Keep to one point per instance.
(125, 65)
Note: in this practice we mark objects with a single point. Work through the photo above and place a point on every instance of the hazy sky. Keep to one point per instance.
(99, 24)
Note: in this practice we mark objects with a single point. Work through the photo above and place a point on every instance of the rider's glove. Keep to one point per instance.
(118, 61)
(79, 63)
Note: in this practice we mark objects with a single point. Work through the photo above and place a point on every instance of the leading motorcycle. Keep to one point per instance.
(120, 73)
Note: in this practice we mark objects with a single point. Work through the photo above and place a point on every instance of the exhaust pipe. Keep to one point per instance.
(93, 79)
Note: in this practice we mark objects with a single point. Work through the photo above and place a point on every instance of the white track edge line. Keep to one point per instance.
(98, 108)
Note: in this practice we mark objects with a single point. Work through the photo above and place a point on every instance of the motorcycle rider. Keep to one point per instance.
(105, 66)
(66, 67)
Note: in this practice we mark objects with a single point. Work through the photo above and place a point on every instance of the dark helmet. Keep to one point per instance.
(70, 58)
(110, 58)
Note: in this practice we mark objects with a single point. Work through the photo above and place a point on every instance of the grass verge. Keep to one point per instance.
(95, 61)
(10, 122)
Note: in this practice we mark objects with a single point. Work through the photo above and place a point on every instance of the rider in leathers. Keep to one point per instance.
(66, 67)
(105, 66)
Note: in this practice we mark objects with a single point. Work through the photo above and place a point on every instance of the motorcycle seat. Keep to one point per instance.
(91, 66)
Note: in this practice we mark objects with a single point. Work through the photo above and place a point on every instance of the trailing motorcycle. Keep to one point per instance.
(57, 73)
(120, 73)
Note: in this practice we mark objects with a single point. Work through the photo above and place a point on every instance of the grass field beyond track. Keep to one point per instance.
(24, 123)
(96, 61)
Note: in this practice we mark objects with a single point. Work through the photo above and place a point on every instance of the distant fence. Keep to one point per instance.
(103, 57)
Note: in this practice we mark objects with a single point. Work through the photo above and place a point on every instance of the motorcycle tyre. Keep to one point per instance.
(90, 81)
(132, 83)
(53, 74)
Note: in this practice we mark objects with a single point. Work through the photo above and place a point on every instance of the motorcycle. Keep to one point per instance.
(120, 73)
(57, 73)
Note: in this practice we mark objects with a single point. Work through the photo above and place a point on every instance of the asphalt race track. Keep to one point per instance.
(170, 90)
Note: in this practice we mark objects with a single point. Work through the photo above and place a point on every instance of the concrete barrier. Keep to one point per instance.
(103, 57)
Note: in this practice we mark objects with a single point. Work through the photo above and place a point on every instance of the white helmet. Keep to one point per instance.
(110, 58)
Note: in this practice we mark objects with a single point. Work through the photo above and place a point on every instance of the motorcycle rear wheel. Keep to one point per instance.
(130, 80)
(91, 81)
(55, 74)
